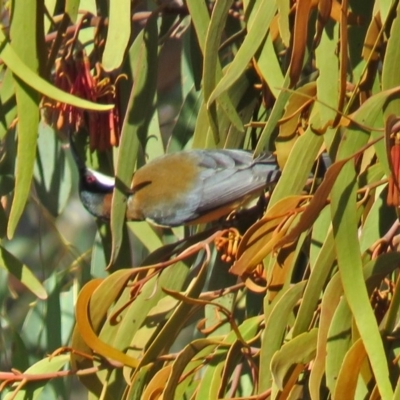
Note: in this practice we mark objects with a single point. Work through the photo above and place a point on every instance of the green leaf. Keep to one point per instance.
(276, 113)
(52, 172)
(328, 79)
(212, 71)
(274, 331)
(300, 350)
(344, 220)
(8, 105)
(380, 218)
(24, 32)
(330, 300)
(188, 359)
(263, 12)
(298, 166)
(118, 34)
(72, 8)
(144, 55)
(390, 77)
(270, 68)
(338, 341)
(34, 390)
(186, 121)
(28, 121)
(20, 69)
(319, 275)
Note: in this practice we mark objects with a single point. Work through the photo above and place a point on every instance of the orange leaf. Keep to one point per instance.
(157, 385)
(261, 238)
(342, 60)
(89, 336)
(320, 198)
(324, 12)
(299, 39)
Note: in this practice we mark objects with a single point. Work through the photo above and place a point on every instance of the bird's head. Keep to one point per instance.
(96, 182)
(95, 188)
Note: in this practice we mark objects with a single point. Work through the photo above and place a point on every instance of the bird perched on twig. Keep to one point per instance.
(187, 187)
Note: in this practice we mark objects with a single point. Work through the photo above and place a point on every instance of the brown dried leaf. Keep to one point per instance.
(299, 39)
(261, 238)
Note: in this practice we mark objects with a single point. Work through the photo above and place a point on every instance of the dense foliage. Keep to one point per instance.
(302, 303)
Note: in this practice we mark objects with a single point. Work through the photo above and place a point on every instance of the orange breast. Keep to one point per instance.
(162, 183)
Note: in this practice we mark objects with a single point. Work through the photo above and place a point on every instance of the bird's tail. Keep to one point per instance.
(269, 168)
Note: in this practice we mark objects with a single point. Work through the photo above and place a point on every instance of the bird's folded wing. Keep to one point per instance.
(234, 176)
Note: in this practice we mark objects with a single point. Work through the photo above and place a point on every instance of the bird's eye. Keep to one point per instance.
(90, 179)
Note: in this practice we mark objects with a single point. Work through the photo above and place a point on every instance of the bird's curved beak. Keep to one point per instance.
(78, 160)
(104, 180)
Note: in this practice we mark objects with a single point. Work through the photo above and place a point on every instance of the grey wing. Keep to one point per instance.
(230, 175)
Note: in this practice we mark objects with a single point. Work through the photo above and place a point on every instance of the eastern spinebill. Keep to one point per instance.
(187, 187)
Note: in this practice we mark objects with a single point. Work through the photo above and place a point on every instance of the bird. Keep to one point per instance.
(183, 188)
